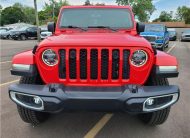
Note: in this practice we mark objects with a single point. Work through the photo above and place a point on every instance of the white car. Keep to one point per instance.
(45, 34)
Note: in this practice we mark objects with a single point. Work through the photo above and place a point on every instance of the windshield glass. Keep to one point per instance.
(172, 32)
(85, 17)
(154, 28)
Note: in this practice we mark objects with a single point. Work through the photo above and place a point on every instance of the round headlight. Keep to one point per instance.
(49, 57)
(139, 58)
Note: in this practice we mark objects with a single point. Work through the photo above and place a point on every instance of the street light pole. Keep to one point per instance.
(37, 20)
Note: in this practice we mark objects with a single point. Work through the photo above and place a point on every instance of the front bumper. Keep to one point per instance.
(129, 98)
(157, 45)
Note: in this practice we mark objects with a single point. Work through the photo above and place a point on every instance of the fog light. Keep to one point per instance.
(150, 101)
(37, 100)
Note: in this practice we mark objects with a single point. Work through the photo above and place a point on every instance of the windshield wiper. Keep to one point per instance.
(74, 27)
(104, 27)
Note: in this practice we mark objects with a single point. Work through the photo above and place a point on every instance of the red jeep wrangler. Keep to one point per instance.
(95, 61)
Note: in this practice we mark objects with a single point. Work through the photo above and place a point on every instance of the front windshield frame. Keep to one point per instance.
(59, 25)
(154, 28)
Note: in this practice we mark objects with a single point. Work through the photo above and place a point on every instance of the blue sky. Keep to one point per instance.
(167, 5)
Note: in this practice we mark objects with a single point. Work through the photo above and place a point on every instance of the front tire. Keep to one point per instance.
(28, 115)
(157, 117)
(23, 37)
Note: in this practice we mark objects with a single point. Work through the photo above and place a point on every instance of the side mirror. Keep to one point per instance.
(140, 27)
(51, 27)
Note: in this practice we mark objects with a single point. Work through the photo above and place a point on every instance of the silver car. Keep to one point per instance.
(185, 36)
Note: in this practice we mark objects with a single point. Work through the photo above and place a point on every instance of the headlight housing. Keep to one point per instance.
(139, 58)
(49, 57)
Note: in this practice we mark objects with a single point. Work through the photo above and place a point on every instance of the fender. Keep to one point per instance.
(164, 59)
(24, 64)
(26, 57)
(165, 65)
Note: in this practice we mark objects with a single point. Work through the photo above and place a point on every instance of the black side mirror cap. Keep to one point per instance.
(140, 27)
(51, 27)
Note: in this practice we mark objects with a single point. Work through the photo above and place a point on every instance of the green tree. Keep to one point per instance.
(47, 13)
(164, 17)
(11, 15)
(143, 9)
(28, 11)
(183, 14)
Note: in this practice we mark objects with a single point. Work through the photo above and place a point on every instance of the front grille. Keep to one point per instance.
(150, 38)
(94, 64)
(187, 35)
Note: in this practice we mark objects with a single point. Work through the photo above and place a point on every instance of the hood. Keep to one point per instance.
(153, 33)
(95, 39)
(185, 33)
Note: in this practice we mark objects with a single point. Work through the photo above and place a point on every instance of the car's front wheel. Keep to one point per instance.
(28, 115)
(23, 37)
(160, 116)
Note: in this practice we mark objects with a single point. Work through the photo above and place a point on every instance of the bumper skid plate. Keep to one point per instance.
(129, 98)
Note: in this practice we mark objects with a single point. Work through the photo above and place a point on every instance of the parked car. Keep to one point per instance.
(157, 35)
(45, 33)
(24, 33)
(185, 36)
(6, 34)
(4, 31)
(172, 34)
(88, 64)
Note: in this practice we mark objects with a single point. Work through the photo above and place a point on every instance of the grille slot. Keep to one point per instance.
(115, 64)
(126, 65)
(104, 63)
(62, 64)
(72, 64)
(94, 64)
(83, 64)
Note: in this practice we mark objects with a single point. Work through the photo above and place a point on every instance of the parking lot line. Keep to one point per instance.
(6, 83)
(169, 50)
(5, 62)
(99, 125)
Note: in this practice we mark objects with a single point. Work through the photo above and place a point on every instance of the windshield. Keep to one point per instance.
(92, 17)
(172, 32)
(154, 28)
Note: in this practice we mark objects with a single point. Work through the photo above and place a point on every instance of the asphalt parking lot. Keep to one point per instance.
(89, 124)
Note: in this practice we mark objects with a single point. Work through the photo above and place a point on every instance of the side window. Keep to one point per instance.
(32, 29)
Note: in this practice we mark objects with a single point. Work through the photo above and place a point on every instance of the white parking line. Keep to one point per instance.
(169, 50)
(5, 62)
(6, 83)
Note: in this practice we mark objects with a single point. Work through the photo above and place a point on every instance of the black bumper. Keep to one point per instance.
(129, 98)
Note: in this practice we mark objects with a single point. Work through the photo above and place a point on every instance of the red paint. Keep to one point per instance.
(26, 57)
(164, 59)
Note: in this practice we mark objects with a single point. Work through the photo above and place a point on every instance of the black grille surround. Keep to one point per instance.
(89, 60)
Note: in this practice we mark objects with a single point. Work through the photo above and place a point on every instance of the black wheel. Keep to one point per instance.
(28, 115)
(23, 37)
(9, 37)
(162, 48)
(157, 117)
(167, 44)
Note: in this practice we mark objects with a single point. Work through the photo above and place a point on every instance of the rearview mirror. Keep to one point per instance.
(51, 27)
